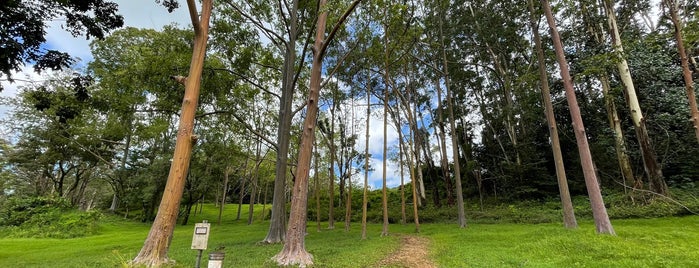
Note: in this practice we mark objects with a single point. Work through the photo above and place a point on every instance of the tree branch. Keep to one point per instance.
(245, 124)
(194, 16)
(337, 26)
(268, 32)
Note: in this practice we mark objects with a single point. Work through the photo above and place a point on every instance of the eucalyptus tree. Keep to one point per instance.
(595, 63)
(569, 220)
(294, 251)
(156, 246)
(650, 161)
(282, 25)
(672, 7)
(599, 212)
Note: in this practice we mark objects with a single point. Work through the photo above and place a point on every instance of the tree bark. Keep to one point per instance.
(672, 6)
(569, 220)
(599, 212)
(155, 249)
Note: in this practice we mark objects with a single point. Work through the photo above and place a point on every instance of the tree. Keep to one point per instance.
(156, 246)
(452, 123)
(599, 212)
(568, 213)
(24, 25)
(672, 7)
(294, 251)
(650, 162)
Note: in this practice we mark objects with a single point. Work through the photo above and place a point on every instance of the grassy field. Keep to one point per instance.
(664, 242)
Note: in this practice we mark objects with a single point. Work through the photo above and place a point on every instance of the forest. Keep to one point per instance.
(351, 113)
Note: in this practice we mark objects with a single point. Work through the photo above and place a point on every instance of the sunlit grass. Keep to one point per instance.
(664, 242)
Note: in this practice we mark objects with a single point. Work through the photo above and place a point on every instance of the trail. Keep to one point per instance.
(413, 252)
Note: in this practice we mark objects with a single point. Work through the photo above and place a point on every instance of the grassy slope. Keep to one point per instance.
(666, 242)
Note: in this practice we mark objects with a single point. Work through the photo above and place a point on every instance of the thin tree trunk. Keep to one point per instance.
(650, 161)
(411, 155)
(569, 220)
(316, 184)
(331, 187)
(454, 140)
(400, 162)
(365, 196)
(384, 188)
(241, 196)
(155, 249)
(599, 212)
(673, 6)
(439, 128)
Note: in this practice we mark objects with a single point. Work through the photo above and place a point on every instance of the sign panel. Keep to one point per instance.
(201, 235)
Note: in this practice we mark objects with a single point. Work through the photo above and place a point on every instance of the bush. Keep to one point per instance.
(46, 217)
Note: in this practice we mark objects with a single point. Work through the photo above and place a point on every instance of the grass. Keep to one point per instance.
(662, 242)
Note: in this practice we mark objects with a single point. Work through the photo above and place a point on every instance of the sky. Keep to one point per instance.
(140, 14)
(148, 14)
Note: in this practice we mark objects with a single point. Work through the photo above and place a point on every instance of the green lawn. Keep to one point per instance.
(665, 242)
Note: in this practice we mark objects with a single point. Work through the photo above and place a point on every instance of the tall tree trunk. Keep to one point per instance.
(365, 195)
(277, 229)
(650, 162)
(155, 248)
(384, 188)
(454, 140)
(566, 202)
(294, 250)
(599, 212)
(673, 6)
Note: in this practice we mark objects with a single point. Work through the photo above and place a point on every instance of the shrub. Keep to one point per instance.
(46, 217)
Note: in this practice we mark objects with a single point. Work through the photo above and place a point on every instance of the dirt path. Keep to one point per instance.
(413, 252)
